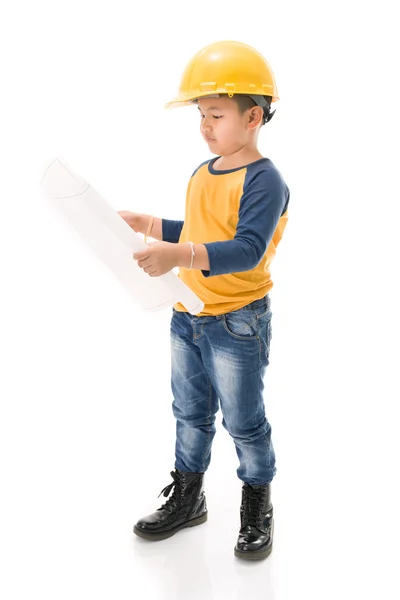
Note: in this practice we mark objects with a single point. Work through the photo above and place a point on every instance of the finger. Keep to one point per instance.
(141, 255)
(144, 263)
(149, 269)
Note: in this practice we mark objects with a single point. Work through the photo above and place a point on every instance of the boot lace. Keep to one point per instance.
(253, 505)
(173, 499)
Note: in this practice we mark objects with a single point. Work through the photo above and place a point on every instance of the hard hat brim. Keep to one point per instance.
(176, 103)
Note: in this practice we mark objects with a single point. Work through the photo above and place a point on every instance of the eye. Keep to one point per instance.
(220, 117)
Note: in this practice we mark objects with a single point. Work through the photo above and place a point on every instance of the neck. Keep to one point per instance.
(240, 158)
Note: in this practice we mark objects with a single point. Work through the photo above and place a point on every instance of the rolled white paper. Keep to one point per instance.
(112, 240)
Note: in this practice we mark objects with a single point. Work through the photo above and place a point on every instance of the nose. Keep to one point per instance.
(206, 125)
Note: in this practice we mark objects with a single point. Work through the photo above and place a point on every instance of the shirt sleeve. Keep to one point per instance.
(171, 230)
(265, 198)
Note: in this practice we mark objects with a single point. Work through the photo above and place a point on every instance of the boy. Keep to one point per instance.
(236, 212)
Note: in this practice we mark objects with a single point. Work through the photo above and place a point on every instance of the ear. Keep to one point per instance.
(255, 117)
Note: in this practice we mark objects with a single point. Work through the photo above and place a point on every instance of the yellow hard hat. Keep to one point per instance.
(225, 68)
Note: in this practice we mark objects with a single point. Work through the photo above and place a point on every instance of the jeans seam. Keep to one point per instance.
(208, 435)
(259, 382)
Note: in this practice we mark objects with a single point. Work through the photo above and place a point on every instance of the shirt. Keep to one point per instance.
(239, 215)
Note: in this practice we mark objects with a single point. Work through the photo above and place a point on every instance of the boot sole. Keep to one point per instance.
(253, 554)
(166, 534)
(256, 554)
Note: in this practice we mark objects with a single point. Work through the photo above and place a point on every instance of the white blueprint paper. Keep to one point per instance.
(112, 240)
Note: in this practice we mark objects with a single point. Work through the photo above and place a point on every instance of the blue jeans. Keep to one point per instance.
(223, 358)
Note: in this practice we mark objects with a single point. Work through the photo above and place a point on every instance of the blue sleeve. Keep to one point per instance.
(264, 200)
(171, 230)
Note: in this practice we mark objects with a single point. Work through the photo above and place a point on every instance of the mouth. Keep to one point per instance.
(209, 139)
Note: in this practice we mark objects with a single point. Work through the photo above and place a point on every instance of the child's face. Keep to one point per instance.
(224, 128)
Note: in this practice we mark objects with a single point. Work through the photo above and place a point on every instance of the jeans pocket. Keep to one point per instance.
(242, 324)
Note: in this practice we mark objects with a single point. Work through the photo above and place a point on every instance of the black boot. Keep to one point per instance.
(185, 508)
(257, 523)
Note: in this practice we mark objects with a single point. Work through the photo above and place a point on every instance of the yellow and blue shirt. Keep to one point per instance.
(239, 215)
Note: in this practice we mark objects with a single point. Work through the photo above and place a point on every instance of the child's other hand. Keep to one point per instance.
(158, 259)
(134, 220)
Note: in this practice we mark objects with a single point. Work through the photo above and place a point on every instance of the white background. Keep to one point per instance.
(86, 427)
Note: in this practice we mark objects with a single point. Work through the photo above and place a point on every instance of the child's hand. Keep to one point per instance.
(158, 259)
(134, 220)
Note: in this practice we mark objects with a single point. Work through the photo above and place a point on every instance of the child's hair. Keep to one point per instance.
(245, 102)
